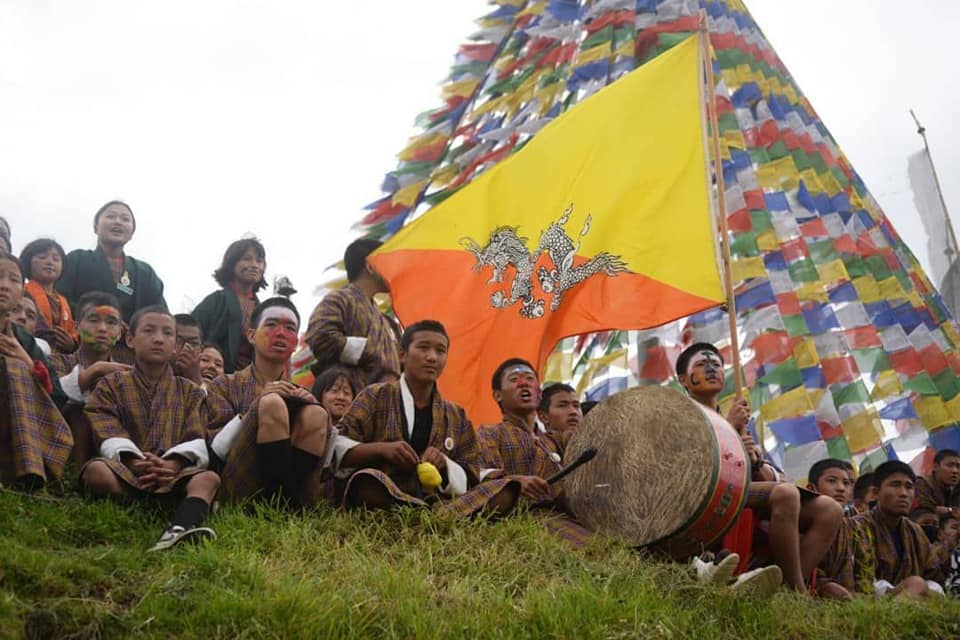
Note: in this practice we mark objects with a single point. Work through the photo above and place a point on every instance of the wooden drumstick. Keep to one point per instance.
(584, 458)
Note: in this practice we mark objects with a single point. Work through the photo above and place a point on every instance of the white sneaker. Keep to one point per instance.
(716, 572)
(177, 534)
(761, 583)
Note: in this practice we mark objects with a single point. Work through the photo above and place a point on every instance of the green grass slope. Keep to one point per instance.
(72, 569)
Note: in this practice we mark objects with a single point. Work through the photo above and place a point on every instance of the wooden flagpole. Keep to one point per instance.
(722, 209)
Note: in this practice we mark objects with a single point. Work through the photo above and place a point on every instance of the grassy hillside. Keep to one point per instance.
(70, 569)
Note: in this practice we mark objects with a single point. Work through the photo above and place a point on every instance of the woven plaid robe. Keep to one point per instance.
(237, 394)
(349, 313)
(377, 415)
(517, 452)
(62, 363)
(929, 495)
(34, 438)
(837, 565)
(155, 418)
(876, 558)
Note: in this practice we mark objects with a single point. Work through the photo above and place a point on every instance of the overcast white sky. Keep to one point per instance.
(215, 118)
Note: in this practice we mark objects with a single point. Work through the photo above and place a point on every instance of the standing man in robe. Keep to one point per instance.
(347, 329)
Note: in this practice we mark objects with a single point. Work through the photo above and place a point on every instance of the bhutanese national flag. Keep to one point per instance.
(602, 221)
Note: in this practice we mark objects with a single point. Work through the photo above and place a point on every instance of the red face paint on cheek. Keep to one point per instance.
(276, 339)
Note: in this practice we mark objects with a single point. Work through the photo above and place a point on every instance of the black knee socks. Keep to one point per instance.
(275, 460)
(191, 513)
(303, 463)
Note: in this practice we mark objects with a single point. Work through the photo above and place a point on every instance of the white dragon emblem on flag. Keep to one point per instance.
(506, 248)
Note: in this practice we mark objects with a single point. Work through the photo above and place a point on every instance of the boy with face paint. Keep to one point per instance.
(802, 525)
(519, 450)
(99, 328)
(271, 436)
(393, 428)
(892, 553)
(148, 428)
(348, 329)
(36, 439)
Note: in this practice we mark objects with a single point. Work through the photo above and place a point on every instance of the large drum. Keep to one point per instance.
(669, 474)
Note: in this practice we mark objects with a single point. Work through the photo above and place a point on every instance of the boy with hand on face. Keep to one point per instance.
(186, 358)
(801, 526)
(148, 426)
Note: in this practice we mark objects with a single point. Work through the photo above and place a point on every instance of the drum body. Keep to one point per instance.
(669, 474)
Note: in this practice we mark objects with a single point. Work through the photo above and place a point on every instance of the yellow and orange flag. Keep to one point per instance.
(602, 221)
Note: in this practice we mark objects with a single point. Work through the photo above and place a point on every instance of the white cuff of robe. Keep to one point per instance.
(111, 448)
(353, 350)
(456, 479)
(341, 445)
(486, 472)
(193, 450)
(328, 452)
(70, 384)
(223, 441)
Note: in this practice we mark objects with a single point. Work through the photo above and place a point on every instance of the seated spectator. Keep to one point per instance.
(891, 552)
(148, 426)
(100, 328)
(24, 315)
(211, 363)
(43, 262)
(269, 434)
(186, 357)
(833, 478)
(335, 392)
(36, 439)
(559, 408)
(864, 493)
(940, 492)
(107, 268)
(224, 315)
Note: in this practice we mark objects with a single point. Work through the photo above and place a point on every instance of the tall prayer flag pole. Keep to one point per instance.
(936, 179)
(721, 200)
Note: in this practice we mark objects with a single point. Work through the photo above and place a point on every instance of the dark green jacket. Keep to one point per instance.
(89, 271)
(221, 320)
(33, 350)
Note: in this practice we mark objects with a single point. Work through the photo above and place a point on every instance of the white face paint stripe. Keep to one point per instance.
(520, 368)
(278, 313)
(704, 355)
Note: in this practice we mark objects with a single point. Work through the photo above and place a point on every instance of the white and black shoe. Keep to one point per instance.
(177, 534)
(717, 572)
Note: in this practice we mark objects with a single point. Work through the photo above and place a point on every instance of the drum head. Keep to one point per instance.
(657, 459)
